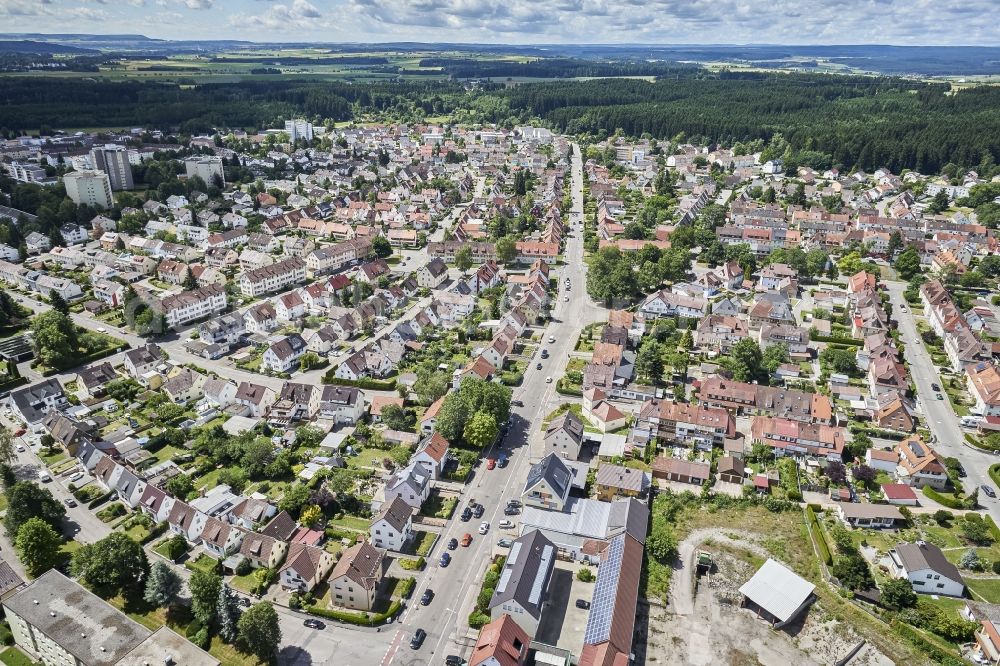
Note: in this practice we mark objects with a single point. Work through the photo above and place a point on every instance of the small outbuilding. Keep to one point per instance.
(777, 593)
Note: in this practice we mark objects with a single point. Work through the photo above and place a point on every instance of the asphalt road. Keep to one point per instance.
(939, 416)
(456, 587)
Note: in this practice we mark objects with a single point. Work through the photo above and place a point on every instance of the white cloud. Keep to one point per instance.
(300, 15)
(199, 4)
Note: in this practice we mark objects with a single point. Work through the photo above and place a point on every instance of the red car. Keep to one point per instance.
(21, 431)
(490, 463)
(466, 540)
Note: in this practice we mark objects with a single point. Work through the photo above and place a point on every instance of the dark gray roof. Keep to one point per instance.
(9, 580)
(30, 401)
(553, 471)
(526, 573)
(569, 422)
(922, 555)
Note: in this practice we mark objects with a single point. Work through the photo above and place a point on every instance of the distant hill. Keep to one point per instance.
(41, 48)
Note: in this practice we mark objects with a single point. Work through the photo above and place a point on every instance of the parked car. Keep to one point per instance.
(20, 448)
(545, 353)
(511, 511)
(453, 660)
(313, 624)
(70, 502)
(418, 639)
(243, 601)
(552, 339)
(491, 463)
(44, 477)
(935, 387)
(502, 460)
(565, 299)
(452, 543)
(514, 503)
(478, 510)
(516, 403)
(548, 380)
(505, 525)
(466, 540)
(538, 366)
(484, 527)
(19, 432)
(445, 560)
(426, 597)
(988, 490)
(582, 603)
(940, 397)
(76, 477)
(466, 515)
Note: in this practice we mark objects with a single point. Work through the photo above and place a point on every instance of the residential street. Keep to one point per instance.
(938, 414)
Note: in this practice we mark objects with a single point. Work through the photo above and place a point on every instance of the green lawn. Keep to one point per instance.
(202, 563)
(984, 589)
(14, 657)
(57, 457)
(421, 543)
(367, 459)
(351, 523)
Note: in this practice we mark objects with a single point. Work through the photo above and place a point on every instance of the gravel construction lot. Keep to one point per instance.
(718, 631)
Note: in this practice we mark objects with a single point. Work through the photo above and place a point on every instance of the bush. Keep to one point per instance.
(585, 575)
(406, 587)
(244, 567)
(950, 501)
(413, 565)
(363, 383)
(942, 517)
(478, 620)
(914, 637)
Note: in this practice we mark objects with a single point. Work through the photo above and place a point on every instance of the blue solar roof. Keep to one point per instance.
(602, 605)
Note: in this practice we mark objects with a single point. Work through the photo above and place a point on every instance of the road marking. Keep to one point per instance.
(393, 647)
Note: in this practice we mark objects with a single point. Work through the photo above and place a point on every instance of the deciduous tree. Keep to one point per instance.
(37, 546)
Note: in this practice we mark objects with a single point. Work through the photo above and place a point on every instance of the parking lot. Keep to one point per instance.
(562, 622)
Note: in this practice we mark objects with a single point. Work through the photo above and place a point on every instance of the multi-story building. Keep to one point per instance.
(273, 278)
(89, 187)
(207, 167)
(188, 306)
(694, 425)
(299, 129)
(113, 160)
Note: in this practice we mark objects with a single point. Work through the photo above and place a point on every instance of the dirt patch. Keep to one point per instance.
(718, 631)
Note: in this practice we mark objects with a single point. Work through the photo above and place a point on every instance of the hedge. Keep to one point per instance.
(821, 546)
(155, 531)
(850, 342)
(360, 619)
(994, 530)
(917, 640)
(949, 501)
(87, 358)
(407, 587)
(363, 383)
(567, 391)
(94, 503)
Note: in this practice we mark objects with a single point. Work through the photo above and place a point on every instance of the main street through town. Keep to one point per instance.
(456, 587)
(938, 415)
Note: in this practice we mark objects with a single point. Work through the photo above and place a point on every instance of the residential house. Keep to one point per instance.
(284, 355)
(432, 454)
(548, 484)
(356, 576)
(263, 552)
(432, 274)
(683, 471)
(255, 397)
(523, 587)
(501, 642)
(927, 569)
(616, 481)
(564, 435)
(872, 516)
(392, 527)
(919, 465)
(305, 567)
(344, 405)
(411, 483)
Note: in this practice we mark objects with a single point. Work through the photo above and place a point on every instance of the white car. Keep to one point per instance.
(484, 527)
(76, 477)
(505, 525)
(20, 448)
(566, 299)
(548, 380)
(101, 329)
(552, 339)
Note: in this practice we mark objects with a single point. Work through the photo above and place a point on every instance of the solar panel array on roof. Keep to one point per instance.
(507, 569)
(602, 605)
(537, 586)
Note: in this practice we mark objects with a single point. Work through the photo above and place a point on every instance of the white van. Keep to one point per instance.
(44, 477)
(971, 421)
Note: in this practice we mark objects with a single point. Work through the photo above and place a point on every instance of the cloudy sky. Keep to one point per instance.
(904, 22)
